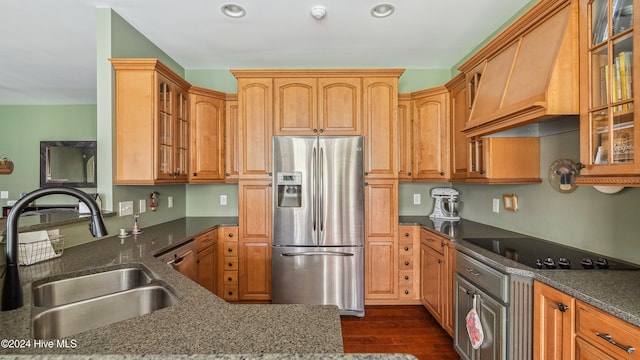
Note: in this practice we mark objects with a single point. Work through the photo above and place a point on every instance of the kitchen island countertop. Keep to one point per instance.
(613, 291)
(200, 323)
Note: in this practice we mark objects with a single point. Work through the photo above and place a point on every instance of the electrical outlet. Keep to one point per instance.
(11, 202)
(416, 199)
(170, 201)
(125, 208)
(142, 205)
(496, 205)
(223, 199)
(4, 194)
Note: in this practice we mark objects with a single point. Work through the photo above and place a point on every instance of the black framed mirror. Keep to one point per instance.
(68, 163)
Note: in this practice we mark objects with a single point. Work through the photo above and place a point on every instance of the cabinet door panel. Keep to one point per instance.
(553, 327)
(231, 141)
(431, 281)
(430, 126)
(255, 270)
(381, 269)
(340, 106)
(206, 268)
(381, 108)
(295, 106)
(207, 139)
(256, 122)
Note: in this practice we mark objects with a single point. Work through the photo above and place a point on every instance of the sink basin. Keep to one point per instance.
(77, 288)
(72, 318)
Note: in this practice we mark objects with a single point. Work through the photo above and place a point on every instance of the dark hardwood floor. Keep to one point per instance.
(397, 329)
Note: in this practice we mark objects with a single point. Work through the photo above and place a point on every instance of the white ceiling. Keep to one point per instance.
(48, 47)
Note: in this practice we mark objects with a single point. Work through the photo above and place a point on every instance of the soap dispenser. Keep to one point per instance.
(136, 228)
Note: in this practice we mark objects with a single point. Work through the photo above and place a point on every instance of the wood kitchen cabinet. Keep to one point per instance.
(207, 136)
(553, 323)
(152, 123)
(608, 89)
(431, 134)
(206, 260)
(254, 246)
(405, 138)
(381, 241)
(567, 328)
(459, 96)
(255, 125)
(231, 138)
(504, 160)
(437, 264)
(409, 264)
(380, 97)
(295, 105)
(228, 263)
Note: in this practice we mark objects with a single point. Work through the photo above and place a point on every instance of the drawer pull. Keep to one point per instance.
(406, 277)
(562, 307)
(429, 240)
(406, 263)
(406, 248)
(406, 234)
(628, 349)
(472, 272)
(406, 292)
(230, 235)
(230, 250)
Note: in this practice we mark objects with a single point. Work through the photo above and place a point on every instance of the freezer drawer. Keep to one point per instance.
(321, 276)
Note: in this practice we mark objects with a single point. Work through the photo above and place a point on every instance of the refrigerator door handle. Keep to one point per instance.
(314, 188)
(321, 189)
(318, 253)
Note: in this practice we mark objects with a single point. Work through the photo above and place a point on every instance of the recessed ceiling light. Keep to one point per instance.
(382, 10)
(233, 10)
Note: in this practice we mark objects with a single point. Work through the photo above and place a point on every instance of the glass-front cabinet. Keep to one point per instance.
(608, 117)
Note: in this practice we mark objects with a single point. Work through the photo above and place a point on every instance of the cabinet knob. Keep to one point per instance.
(230, 264)
(321, 131)
(407, 263)
(227, 174)
(409, 173)
(230, 250)
(406, 234)
(441, 173)
(439, 261)
(229, 278)
(580, 166)
(230, 293)
(562, 307)
(406, 277)
(406, 292)
(270, 174)
(195, 174)
(406, 248)
(366, 173)
(315, 131)
(481, 171)
(230, 235)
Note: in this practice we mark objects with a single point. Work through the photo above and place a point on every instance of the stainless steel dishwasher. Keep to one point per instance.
(504, 305)
(181, 258)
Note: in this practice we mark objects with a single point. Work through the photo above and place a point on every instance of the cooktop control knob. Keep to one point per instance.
(602, 263)
(549, 263)
(564, 263)
(539, 264)
(587, 263)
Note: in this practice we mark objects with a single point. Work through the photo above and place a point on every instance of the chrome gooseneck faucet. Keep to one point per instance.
(12, 291)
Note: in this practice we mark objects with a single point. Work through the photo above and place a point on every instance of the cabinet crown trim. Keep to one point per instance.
(151, 64)
(272, 73)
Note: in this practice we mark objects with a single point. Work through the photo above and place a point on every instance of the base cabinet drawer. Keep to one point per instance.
(230, 292)
(611, 335)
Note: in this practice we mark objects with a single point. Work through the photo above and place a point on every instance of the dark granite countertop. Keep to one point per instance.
(613, 291)
(200, 323)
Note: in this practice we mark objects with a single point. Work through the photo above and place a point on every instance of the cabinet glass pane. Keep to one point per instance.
(600, 133)
(600, 76)
(599, 21)
(623, 141)
(622, 15)
(622, 69)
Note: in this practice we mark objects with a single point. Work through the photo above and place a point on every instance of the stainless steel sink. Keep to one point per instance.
(72, 318)
(77, 288)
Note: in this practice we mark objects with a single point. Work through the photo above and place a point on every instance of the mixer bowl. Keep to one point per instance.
(450, 207)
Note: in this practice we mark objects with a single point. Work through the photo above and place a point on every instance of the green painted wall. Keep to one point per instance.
(22, 129)
(220, 80)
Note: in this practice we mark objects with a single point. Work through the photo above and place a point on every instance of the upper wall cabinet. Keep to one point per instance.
(207, 136)
(531, 70)
(381, 127)
(431, 134)
(152, 123)
(459, 95)
(607, 108)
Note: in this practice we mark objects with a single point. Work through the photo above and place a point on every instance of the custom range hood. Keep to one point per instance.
(528, 73)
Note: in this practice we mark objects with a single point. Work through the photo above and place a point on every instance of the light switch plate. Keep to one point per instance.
(125, 208)
(223, 199)
(170, 201)
(4, 194)
(416, 199)
(496, 205)
(142, 205)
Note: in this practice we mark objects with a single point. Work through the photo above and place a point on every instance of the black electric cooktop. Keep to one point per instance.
(542, 254)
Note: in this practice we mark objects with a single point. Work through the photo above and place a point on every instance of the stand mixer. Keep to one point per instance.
(445, 206)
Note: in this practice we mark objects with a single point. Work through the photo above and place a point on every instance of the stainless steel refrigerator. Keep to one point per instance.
(318, 221)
